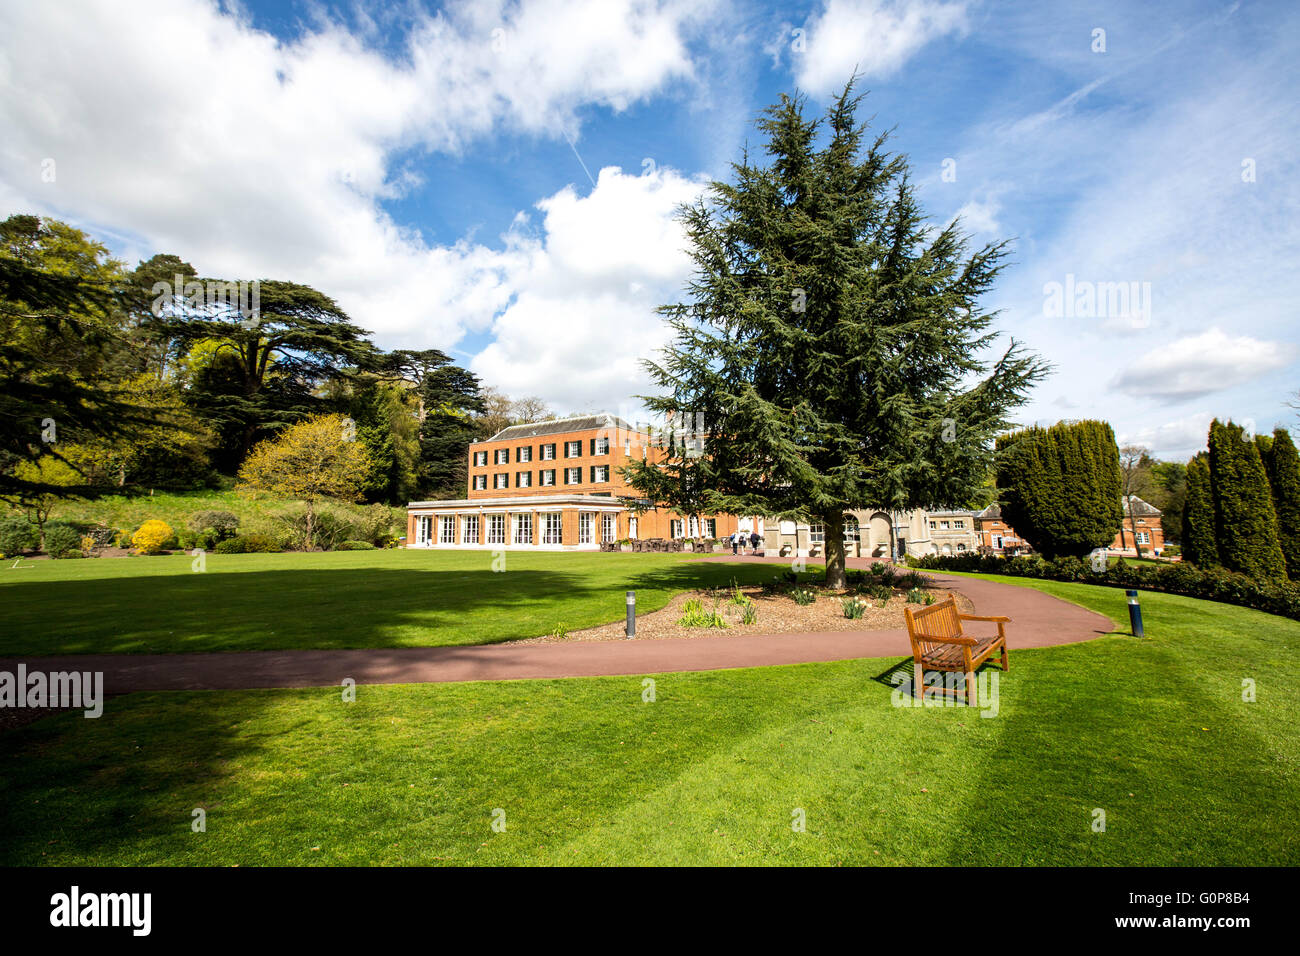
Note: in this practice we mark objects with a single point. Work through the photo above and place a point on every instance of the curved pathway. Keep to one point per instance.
(1038, 620)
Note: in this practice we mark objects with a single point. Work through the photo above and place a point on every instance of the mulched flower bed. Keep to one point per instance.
(777, 614)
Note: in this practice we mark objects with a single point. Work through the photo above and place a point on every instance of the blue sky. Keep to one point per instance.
(420, 167)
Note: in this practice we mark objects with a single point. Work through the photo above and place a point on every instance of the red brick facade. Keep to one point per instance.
(996, 534)
(568, 468)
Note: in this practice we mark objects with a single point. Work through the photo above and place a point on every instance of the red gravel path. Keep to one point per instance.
(1038, 620)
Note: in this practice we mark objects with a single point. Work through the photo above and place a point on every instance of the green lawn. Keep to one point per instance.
(393, 598)
(1154, 732)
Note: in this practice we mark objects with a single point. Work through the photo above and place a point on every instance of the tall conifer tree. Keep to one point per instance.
(833, 343)
(1200, 546)
(1245, 524)
(1060, 487)
(1283, 467)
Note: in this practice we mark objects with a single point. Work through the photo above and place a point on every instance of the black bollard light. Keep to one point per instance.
(631, 614)
(1135, 614)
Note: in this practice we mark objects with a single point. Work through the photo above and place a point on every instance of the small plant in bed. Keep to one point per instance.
(694, 615)
(911, 581)
(854, 607)
(876, 591)
(803, 596)
(884, 573)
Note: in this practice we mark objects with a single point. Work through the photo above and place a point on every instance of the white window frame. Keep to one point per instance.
(524, 455)
(469, 529)
(523, 479)
(446, 529)
(501, 480)
(817, 532)
(602, 474)
(496, 529)
(586, 527)
(544, 474)
(608, 528)
(502, 457)
(522, 533)
(480, 459)
(552, 528)
(480, 482)
(573, 444)
(602, 446)
(675, 528)
(573, 471)
(548, 452)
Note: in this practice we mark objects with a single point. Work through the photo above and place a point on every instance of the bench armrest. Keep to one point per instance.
(1001, 619)
(936, 639)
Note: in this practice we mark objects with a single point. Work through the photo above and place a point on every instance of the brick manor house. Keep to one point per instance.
(555, 485)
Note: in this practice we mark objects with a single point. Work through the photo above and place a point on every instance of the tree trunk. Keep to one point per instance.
(1132, 520)
(834, 544)
(1123, 539)
(311, 523)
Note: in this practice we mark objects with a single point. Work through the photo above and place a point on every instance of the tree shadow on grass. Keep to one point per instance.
(122, 788)
(328, 608)
(1095, 757)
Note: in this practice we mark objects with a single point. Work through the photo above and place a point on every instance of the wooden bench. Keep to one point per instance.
(939, 644)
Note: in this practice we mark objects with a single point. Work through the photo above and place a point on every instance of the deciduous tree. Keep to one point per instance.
(314, 459)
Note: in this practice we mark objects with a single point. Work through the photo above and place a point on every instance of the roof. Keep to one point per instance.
(523, 502)
(1140, 507)
(556, 426)
(992, 513)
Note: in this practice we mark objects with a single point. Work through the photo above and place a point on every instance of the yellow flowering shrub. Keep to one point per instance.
(151, 537)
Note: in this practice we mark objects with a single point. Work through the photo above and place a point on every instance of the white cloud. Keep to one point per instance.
(979, 217)
(584, 314)
(871, 37)
(1176, 440)
(1199, 365)
(192, 132)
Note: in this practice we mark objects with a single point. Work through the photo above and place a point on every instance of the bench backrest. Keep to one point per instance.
(937, 620)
